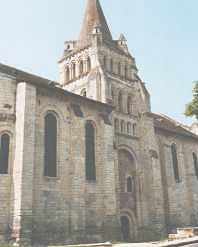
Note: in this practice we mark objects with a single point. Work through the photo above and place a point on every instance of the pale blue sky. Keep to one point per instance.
(161, 34)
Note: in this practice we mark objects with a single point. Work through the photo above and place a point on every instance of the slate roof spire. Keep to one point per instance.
(94, 16)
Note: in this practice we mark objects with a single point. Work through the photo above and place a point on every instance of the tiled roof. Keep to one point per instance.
(94, 16)
(165, 123)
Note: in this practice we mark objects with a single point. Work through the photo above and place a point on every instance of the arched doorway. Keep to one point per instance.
(125, 228)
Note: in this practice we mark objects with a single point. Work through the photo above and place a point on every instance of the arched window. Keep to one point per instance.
(122, 126)
(111, 65)
(119, 68)
(74, 70)
(88, 64)
(129, 128)
(81, 67)
(50, 168)
(116, 125)
(195, 161)
(129, 184)
(175, 162)
(90, 151)
(83, 92)
(120, 102)
(129, 105)
(4, 153)
(67, 74)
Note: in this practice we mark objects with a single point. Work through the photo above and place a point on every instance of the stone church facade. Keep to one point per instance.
(84, 159)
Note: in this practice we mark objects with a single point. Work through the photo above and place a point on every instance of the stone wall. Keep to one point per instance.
(180, 198)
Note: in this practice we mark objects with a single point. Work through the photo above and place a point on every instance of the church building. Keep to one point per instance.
(84, 159)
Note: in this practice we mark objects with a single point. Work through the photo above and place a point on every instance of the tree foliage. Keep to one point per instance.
(192, 107)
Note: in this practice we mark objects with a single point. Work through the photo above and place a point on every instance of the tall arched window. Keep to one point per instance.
(67, 74)
(116, 125)
(129, 184)
(74, 70)
(88, 64)
(120, 102)
(50, 168)
(134, 129)
(175, 162)
(90, 151)
(129, 128)
(119, 68)
(81, 67)
(111, 65)
(122, 126)
(129, 105)
(195, 161)
(4, 153)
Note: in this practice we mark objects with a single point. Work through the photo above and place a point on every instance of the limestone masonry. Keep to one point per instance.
(84, 159)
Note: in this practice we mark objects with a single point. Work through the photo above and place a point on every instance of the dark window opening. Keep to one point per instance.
(125, 227)
(111, 65)
(4, 153)
(129, 185)
(175, 162)
(81, 67)
(195, 161)
(74, 70)
(120, 102)
(129, 105)
(50, 169)
(129, 128)
(116, 125)
(90, 151)
(88, 64)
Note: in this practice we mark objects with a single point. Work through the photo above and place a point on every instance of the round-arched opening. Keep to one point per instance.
(125, 228)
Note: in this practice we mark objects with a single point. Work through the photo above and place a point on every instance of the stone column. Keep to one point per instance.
(24, 161)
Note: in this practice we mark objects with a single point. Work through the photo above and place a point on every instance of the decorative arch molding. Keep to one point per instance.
(132, 219)
(124, 147)
(54, 110)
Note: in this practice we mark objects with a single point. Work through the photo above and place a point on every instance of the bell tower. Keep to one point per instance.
(88, 63)
(101, 68)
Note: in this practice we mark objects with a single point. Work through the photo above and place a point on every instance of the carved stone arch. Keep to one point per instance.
(132, 224)
(124, 147)
(54, 109)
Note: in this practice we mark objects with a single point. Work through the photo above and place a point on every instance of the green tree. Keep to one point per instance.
(192, 107)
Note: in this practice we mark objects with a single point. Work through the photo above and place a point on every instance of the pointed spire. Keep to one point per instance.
(94, 17)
